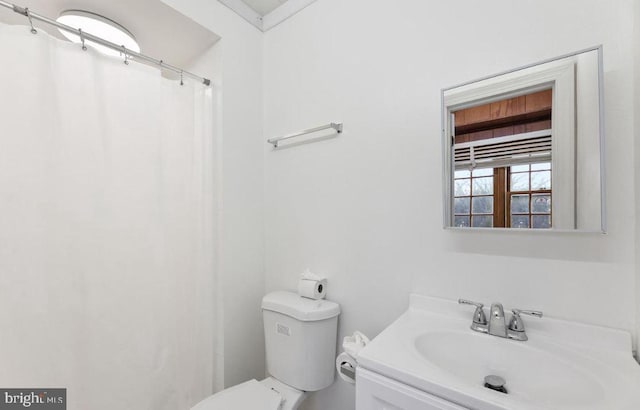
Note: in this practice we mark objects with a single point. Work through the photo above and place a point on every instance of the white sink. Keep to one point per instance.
(563, 365)
(531, 373)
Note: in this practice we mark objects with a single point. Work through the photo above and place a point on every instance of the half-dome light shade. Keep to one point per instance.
(98, 26)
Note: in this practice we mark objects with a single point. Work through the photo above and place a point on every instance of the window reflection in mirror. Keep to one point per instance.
(524, 149)
(502, 176)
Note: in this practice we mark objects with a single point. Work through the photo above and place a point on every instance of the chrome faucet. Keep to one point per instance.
(496, 325)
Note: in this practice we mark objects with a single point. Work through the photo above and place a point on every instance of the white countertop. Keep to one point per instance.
(599, 358)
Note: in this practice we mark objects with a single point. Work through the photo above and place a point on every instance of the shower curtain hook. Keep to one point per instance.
(126, 57)
(84, 48)
(28, 14)
(181, 77)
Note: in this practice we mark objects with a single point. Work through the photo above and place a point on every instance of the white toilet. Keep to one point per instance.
(300, 337)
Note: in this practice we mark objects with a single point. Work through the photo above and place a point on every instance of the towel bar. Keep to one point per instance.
(335, 126)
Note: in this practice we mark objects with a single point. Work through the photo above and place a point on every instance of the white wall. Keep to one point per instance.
(636, 83)
(235, 63)
(365, 208)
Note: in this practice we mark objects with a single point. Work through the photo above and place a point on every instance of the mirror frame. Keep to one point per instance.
(448, 163)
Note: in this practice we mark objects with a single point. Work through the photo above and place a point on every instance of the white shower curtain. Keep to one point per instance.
(106, 243)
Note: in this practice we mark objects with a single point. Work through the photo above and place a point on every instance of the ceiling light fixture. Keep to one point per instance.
(98, 26)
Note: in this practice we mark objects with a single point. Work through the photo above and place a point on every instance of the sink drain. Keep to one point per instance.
(496, 383)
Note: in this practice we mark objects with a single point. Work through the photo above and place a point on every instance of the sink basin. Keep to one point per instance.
(532, 374)
(563, 365)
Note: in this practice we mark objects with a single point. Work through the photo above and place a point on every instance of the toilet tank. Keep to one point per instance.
(300, 338)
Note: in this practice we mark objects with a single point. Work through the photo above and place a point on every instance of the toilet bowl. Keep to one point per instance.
(300, 341)
(268, 394)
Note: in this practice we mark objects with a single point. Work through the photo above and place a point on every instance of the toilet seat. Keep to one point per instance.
(251, 395)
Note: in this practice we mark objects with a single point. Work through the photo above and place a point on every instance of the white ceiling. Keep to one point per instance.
(266, 14)
(264, 7)
(162, 32)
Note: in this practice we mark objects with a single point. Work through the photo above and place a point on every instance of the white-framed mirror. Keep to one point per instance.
(525, 148)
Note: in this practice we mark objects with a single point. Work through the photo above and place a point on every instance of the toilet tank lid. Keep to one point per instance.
(303, 309)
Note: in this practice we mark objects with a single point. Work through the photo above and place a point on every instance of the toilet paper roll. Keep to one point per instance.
(346, 367)
(353, 344)
(312, 289)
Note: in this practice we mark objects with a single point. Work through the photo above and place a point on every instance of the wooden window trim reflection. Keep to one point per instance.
(499, 200)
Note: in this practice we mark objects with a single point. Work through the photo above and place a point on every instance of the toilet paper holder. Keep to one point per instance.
(347, 361)
(347, 370)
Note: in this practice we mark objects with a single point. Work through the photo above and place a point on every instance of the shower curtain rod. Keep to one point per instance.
(83, 35)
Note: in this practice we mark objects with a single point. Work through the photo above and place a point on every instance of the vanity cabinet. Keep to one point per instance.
(376, 392)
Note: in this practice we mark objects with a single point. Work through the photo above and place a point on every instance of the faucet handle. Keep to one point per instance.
(516, 324)
(478, 316)
(535, 313)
